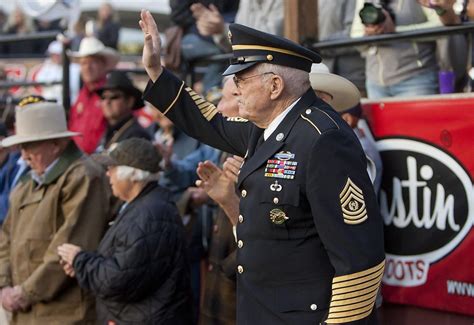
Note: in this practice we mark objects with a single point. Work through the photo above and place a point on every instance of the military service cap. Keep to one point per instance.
(251, 46)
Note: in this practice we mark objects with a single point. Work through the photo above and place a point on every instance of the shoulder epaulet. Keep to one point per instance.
(319, 119)
(236, 119)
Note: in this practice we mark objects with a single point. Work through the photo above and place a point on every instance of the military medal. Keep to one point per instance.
(278, 217)
(281, 166)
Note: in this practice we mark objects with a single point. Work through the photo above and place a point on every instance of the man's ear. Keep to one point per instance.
(277, 84)
(350, 119)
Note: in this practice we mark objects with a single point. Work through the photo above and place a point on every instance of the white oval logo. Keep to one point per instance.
(427, 204)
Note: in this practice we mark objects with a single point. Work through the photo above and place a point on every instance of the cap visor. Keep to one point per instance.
(104, 159)
(236, 68)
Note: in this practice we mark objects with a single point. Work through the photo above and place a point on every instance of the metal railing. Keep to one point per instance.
(50, 35)
(190, 72)
(420, 34)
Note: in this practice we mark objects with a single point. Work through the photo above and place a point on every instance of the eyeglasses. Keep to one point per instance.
(238, 81)
(113, 97)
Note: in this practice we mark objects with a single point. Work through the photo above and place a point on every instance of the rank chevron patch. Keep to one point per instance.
(352, 204)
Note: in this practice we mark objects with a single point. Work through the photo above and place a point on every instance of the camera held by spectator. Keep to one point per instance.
(373, 13)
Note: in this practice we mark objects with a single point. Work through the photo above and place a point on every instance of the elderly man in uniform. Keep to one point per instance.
(65, 198)
(309, 234)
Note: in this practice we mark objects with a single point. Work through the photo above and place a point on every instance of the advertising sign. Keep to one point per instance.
(426, 200)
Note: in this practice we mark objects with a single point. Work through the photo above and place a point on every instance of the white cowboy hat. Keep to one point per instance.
(39, 121)
(55, 47)
(345, 94)
(92, 46)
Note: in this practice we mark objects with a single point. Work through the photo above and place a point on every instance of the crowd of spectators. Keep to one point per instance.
(103, 119)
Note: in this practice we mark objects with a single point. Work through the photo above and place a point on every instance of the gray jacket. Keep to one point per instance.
(392, 63)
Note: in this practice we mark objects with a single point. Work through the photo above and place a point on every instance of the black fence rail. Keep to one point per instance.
(420, 34)
(198, 64)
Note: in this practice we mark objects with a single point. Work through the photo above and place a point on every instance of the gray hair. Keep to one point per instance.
(296, 81)
(134, 174)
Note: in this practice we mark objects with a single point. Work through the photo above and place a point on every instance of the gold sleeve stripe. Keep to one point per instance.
(353, 295)
(210, 115)
(202, 105)
(356, 281)
(363, 286)
(207, 109)
(348, 319)
(351, 312)
(310, 122)
(359, 274)
(200, 101)
(345, 299)
(175, 99)
(354, 306)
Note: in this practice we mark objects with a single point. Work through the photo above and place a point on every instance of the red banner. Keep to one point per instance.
(426, 200)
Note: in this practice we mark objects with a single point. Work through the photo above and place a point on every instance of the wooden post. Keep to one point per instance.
(301, 20)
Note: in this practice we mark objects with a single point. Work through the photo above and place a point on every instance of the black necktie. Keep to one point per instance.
(260, 141)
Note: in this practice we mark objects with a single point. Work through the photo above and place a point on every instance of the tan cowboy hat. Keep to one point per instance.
(39, 121)
(92, 46)
(345, 94)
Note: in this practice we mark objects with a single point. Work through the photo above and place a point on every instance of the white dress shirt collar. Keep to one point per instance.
(276, 122)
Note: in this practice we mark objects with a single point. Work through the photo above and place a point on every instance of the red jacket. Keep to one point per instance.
(86, 117)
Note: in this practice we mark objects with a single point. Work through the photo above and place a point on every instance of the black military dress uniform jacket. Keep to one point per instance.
(310, 236)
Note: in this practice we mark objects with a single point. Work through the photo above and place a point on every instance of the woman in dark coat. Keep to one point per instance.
(139, 273)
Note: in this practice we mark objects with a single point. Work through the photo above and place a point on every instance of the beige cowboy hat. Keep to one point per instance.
(39, 121)
(344, 93)
(92, 46)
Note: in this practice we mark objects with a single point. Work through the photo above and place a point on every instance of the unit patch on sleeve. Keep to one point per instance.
(352, 204)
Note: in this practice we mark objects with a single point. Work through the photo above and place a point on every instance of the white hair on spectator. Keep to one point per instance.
(296, 81)
(134, 174)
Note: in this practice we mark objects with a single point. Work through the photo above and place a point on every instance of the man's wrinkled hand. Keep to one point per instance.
(232, 167)
(152, 45)
(14, 299)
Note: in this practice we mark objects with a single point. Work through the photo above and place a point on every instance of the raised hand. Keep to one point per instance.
(219, 187)
(152, 45)
(232, 167)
